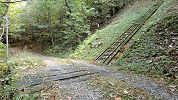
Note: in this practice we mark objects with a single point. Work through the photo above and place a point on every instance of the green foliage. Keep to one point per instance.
(25, 60)
(151, 54)
(1, 7)
(3, 72)
(3, 69)
(2, 51)
(63, 23)
(53, 24)
(9, 86)
(110, 33)
(26, 97)
(1, 45)
(3, 65)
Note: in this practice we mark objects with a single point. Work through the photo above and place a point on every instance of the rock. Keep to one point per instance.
(150, 61)
(172, 86)
(161, 33)
(170, 46)
(174, 38)
(172, 90)
(96, 44)
(126, 92)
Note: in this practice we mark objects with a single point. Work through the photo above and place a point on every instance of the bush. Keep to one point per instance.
(155, 52)
(3, 65)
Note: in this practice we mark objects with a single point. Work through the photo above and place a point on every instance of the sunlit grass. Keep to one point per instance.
(139, 58)
(25, 60)
(110, 33)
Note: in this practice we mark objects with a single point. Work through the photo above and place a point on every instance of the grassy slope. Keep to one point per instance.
(145, 56)
(108, 34)
(25, 60)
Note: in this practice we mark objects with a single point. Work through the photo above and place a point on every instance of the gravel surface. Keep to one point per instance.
(75, 88)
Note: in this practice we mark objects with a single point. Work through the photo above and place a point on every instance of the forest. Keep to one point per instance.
(88, 50)
(61, 24)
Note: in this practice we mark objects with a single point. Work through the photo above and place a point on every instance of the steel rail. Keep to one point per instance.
(133, 33)
(126, 36)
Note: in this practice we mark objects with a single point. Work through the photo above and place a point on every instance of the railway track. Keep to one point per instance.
(108, 54)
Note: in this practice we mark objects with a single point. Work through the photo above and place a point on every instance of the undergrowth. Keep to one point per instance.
(151, 54)
(110, 33)
(25, 60)
(3, 65)
(20, 61)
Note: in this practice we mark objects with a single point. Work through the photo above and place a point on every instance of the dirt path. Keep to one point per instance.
(154, 88)
(70, 76)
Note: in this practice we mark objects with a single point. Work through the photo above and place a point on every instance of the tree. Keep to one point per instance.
(61, 23)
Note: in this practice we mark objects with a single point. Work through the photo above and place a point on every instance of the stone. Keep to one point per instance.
(126, 92)
(96, 44)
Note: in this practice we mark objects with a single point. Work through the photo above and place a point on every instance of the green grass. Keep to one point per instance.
(18, 62)
(158, 15)
(145, 55)
(110, 33)
(3, 65)
(2, 51)
(25, 60)
(3, 68)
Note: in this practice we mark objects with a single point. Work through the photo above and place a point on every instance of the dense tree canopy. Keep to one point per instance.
(60, 23)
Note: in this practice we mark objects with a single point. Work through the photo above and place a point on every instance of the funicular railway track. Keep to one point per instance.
(108, 54)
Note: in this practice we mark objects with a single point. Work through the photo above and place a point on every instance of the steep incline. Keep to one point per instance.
(99, 41)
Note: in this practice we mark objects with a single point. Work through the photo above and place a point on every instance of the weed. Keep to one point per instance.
(25, 60)
(150, 55)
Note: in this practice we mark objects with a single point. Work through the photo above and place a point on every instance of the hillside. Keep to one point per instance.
(89, 50)
(109, 34)
(155, 51)
(152, 51)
